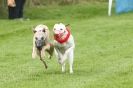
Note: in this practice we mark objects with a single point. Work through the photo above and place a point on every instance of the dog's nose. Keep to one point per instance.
(56, 32)
(39, 44)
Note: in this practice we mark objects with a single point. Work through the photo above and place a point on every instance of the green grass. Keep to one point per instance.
(103, 53)
(79, 11)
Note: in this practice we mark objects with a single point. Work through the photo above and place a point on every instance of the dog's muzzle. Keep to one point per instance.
(39, 44)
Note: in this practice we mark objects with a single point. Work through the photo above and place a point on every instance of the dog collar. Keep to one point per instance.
(60, 39)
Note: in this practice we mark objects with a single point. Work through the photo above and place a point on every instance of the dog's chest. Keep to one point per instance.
(63, 46)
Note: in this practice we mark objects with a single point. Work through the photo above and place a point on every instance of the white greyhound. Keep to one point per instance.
(64, 45)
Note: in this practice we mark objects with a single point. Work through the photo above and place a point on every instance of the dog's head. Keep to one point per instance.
(59, 29)
(40, 27)
(40, 36)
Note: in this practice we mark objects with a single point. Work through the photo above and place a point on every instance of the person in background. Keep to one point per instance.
(19, 8)
(15, 9)
(11, 8)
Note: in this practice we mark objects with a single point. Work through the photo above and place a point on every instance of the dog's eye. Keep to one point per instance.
(61, 29)
(36, 38)
(42, 38)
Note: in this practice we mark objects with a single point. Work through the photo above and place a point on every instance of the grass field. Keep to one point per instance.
(103, 53)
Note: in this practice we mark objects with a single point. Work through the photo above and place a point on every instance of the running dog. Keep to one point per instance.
(64, 45)
(41, 43)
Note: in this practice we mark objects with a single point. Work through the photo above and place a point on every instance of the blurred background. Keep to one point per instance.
(31, 4)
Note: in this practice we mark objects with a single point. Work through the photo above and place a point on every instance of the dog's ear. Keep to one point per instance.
(68, 26)
(34, 31)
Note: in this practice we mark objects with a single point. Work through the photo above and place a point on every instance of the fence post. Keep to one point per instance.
(109, 7)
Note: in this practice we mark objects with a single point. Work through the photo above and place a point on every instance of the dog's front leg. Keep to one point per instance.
(70, 55)
(42, 55)
(44, 62)
(34, 53)
(49, 50)
(60, 59)
(71, 58)
(58, 55)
